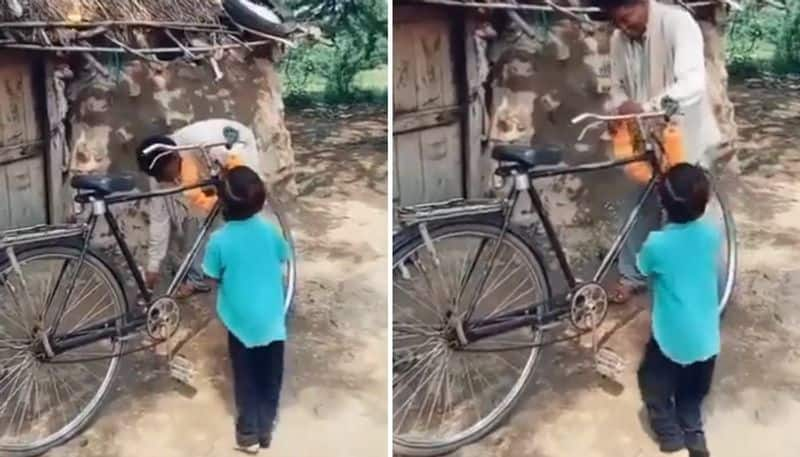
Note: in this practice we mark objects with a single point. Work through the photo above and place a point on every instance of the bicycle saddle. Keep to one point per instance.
(529, 156)
(256, 16)
(104, 184)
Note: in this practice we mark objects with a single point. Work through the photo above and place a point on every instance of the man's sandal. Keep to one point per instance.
(187, 290)
(622, 293)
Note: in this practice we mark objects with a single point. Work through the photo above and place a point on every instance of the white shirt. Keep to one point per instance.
(668, 61)
(164, 210)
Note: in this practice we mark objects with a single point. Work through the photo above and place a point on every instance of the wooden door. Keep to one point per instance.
(428, 152)
(22, 166)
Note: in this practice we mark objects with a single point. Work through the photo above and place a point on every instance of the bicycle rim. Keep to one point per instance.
(44, 404)
(717, 213)
(445, 398)
(273, 212)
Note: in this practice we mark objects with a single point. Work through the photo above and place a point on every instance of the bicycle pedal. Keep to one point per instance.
(610, 364)
(182, 370)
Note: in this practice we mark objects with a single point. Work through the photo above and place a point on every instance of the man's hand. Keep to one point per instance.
(151, 279)
(629, 108)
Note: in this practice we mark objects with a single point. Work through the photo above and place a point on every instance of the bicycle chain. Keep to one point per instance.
(529, 345)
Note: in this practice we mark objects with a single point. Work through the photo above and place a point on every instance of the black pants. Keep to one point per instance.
(673, 395)
(257, 377)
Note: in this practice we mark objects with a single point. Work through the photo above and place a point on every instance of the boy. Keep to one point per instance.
(680, 262)
(246, 257)
(184, 168)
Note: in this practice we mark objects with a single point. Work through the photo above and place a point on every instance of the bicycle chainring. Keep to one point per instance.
(163, 319)
(588, 306)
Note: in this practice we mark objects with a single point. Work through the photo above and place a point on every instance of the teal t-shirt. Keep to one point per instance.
(681, 263)
(247, 257)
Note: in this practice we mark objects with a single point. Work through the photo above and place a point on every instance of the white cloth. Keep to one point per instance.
(165, 210)
(668, 61)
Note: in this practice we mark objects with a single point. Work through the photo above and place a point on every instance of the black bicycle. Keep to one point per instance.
(65, 316)
(473, 301)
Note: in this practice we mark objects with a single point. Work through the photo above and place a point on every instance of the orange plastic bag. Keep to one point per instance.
(625, 146)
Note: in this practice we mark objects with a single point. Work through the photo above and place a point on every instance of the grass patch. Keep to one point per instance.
(371, 86)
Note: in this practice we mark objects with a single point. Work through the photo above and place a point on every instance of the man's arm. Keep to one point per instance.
(618, 93)
(689, 65)
(190, 174)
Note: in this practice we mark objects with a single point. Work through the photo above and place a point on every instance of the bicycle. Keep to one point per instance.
(473, 299)
(65, 316)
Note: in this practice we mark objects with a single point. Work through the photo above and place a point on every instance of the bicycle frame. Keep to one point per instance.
(526, 316)
(128, 322)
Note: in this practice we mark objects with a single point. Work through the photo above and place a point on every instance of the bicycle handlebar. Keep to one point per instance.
(201, 146)
(204, 147)
(617, 117)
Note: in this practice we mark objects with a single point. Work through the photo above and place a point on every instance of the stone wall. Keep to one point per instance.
(111, 113)
(538, 85)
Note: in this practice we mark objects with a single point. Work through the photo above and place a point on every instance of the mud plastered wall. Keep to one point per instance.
(539, 84)
(110, 114)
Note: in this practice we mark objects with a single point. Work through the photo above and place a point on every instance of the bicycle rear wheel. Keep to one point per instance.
(43, 403)
(443, 397)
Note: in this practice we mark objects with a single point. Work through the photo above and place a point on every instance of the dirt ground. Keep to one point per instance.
(755, 404)
(335, 387)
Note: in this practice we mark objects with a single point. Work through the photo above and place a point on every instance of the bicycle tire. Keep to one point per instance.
(291, 281)
(408, 242)
(68, 249)
(732, 253)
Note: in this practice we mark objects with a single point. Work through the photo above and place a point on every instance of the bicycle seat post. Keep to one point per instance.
(98, 206)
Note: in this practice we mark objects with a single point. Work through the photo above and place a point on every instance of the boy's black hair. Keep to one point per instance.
(684, 192)
(243, 194)
(145, 161)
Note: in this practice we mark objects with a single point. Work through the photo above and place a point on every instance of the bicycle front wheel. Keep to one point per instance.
(717, 213)
(273, 212)
(45, 401)
(444, 396)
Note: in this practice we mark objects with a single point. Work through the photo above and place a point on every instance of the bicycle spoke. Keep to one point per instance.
(520, 286)
(505, 362)
(414, 298)
(82, 295)
(467, 275)
(428, 283)
(432, 392)
(17, 317)
(411, 397)
(503, 278)
(17, 268)
(472, 390)
(52, 291)
(429, 357)
(92, 314)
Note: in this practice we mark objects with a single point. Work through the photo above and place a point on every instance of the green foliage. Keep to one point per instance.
(356, 41)
(764, 38)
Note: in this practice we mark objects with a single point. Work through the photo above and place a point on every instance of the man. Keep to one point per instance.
(657, 52)
(184, 213)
